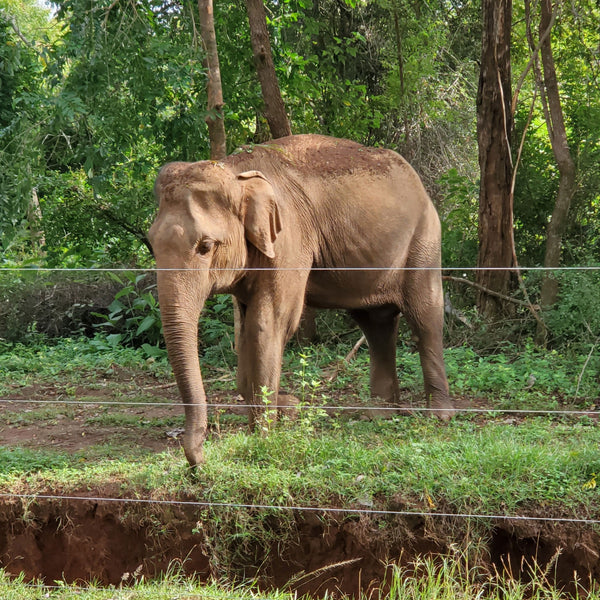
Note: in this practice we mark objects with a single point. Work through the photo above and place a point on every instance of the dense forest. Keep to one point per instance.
(96, 95)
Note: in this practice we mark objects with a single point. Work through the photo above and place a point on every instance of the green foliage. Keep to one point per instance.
(134, 316)
(97, 96)
(459, 223)
(574, 41)
(575, 318)
(21, 364)
(22, 460)
(216, 331)
(20, 156)
(172, 584)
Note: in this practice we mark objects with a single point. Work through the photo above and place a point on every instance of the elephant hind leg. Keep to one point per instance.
(380, 326)
(427, 328)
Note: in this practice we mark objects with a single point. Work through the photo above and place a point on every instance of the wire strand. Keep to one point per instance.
(244, 268)
(283, 507)
(527, 411)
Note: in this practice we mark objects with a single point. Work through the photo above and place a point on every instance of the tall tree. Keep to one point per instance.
(275, 114)
(214, 116)
(494, 126)
(555, 124)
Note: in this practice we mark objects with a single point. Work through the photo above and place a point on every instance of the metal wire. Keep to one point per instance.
(326, 407)
(244, 268)
(280, 507)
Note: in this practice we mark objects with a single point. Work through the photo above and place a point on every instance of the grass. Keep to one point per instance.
(529, 376)
(498, 468)
(68, 359)
(446, 578)
(170, 587)
(486, 463)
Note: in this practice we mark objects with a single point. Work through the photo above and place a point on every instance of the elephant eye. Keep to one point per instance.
(204, 246)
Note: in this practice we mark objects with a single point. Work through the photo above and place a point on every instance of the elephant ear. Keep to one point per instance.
(260, 212)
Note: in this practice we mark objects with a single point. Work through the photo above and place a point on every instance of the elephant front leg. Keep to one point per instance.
(261, 343)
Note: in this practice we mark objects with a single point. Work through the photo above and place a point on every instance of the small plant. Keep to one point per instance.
(310, 406)
(268, 418)
(134, 317)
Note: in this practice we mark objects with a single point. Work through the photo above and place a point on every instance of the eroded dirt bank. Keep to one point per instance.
(108, 542)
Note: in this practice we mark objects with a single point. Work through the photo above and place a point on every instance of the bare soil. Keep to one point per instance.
(113, 542)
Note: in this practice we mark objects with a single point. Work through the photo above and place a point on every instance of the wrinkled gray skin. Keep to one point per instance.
(300, 203)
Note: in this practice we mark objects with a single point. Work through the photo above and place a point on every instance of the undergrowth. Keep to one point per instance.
(527, 375)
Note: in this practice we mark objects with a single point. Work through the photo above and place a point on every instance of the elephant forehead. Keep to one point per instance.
(175, 177)
(210, 196)
(185, 225)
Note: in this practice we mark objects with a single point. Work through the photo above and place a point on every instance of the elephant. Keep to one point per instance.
(305, 220)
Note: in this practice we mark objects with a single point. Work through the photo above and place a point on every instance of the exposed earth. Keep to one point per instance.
(112, 542)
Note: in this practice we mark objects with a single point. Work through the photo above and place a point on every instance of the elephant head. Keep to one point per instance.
(209, 220)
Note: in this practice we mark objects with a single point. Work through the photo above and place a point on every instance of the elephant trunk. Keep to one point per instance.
(180, 327)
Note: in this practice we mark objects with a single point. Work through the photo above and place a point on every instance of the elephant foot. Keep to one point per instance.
(390, 407)
(287, 406)
(442, 408)
(194, 451)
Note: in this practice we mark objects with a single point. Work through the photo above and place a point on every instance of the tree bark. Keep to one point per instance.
(566, 166)
(214, 118)
(265, 69)
(494, 127)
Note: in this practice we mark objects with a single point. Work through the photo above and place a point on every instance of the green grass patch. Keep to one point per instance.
(66, 358)
(169, 587)
(496, 468)
(529, 372)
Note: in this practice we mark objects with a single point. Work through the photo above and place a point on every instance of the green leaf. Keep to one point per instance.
(124, 292)
(148, 322)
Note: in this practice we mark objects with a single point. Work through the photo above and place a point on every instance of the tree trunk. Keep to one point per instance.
(265, 69)
(566, 166)
(494, 126)
(34, 218)
(214, 117)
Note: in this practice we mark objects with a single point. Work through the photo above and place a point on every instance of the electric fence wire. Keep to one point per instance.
(284, 507)
(595, 411)
(309, 268)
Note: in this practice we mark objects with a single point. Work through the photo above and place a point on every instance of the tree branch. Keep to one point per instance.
(534, 54)
(134, 231)
(482, 288)
(13, 23)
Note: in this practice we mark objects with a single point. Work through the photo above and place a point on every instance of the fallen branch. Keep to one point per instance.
(482, 288)
(350, 356)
